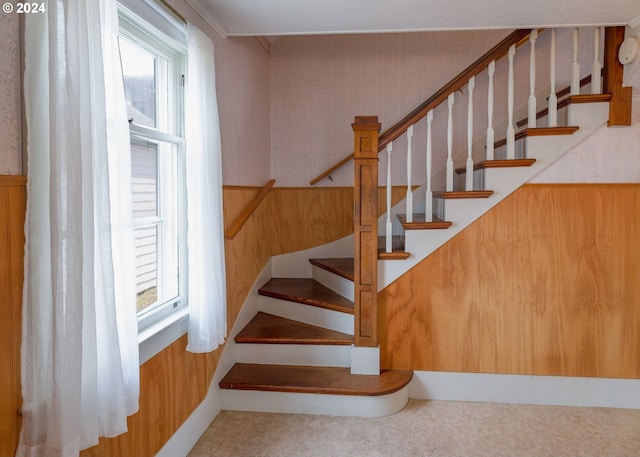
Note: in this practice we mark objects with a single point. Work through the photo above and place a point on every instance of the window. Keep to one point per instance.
(153, 69)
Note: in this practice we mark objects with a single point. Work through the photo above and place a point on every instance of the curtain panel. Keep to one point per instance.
(80, 370)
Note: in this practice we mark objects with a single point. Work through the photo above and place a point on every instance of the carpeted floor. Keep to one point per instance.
(429, 429)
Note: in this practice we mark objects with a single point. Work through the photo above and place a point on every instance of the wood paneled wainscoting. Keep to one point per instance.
(12, 212)
(304, 217)
(174, 382)
(546, 283)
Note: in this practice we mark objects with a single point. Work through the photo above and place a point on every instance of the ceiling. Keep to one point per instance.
(304, 17)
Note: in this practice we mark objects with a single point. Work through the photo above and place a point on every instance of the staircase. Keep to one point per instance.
(294, 355)
(296, 352)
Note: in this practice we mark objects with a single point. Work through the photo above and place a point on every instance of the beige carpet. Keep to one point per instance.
(429, 429)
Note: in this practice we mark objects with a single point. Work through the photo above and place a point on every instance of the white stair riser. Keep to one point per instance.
(326, 318)
(320, 404)
(334, 282)
(294, 354)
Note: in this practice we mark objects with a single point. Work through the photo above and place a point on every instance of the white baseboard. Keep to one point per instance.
(535, 390)
(186, 437)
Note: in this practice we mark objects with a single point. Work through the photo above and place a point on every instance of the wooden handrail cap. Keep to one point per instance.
(366, 123)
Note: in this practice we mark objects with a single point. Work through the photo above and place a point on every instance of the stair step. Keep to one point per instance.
(313, 380)
(539, 131)
(498, 164)
(419, 222)
(587, 98)
(341, 266)
(306, 291)
(464, 194)
(570, 100)
(397, 248)
(269, 329)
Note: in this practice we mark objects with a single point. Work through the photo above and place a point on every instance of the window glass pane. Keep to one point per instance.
(144, 178)
(146, 239)
(140, 83)
(154, 166)
(168, 173)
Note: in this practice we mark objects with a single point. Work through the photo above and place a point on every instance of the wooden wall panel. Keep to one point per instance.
(12, 210)
(546, 283)
(250, 250)
(304, 217)
(174, 382)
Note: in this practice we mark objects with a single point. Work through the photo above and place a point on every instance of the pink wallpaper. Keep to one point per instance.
(286, 112)
(10, 115)
(319, 83)
(242, 80)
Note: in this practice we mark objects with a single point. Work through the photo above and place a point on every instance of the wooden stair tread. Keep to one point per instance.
(570, 100)
(586, 98)
(313, 380)
(269, 329)
(504, 163)
(419, 222)
(306, 291)
(340, 266)
(540, 131)
(464, 194)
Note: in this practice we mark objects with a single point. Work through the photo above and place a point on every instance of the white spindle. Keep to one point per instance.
(553, 99)
(449, 179)
(596, 72)
(532, 79)
(409, 171)
(469, 174)
(428, 206)
(511, 132)
(490, 133)
(389, 227)
(575, 68)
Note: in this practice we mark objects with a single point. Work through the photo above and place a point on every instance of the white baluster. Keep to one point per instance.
(596, 72)
(553, 99)
(532, 79)
(389, 227)
(469, 174)
(428, 206)
(449, 179)
(490, 133)
(575, 68)
(409, 171)
(511, 132)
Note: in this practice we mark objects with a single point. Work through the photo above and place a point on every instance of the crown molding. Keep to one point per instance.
(196, 5)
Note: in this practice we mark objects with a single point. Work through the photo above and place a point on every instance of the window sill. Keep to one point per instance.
(158, 336)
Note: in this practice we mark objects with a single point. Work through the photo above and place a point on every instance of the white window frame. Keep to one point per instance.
(168, 321)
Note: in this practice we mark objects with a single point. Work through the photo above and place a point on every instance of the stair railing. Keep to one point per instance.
(466, 80)
(248, 211)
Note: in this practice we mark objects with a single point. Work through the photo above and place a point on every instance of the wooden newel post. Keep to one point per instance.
(621, 97)
(366, 129)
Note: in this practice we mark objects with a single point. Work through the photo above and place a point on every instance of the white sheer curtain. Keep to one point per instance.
(79, 340)
(205, 232)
